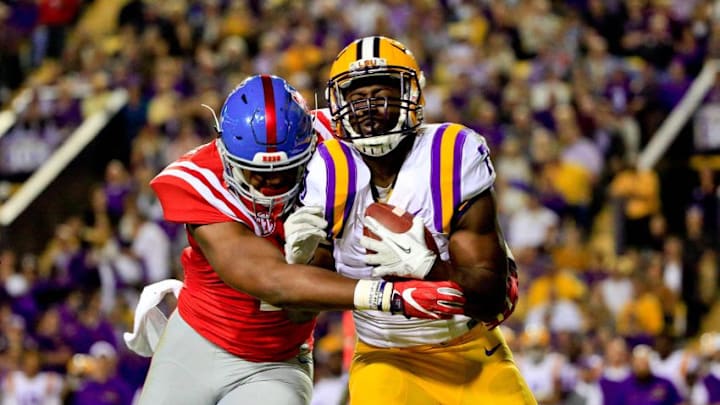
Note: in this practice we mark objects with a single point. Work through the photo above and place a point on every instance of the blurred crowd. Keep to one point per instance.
(614, 287)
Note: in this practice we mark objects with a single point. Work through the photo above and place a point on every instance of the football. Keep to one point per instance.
(397, 220)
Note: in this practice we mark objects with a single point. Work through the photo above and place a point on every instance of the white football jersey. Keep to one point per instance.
(448, 165)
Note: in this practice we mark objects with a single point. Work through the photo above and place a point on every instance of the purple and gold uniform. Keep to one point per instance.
(398, 360)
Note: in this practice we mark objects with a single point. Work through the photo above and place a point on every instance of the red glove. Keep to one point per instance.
(427, 299)
(511, 296)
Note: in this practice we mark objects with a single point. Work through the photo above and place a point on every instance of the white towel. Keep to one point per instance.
(150, 322)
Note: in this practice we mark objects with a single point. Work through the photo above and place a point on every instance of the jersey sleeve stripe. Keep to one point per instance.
(329, 186)
(341, 179)
(446, 165)
(323, 126)
(203, 190)
(213, 181)
(210, 188)
(351, 190)
(457, 168)
(435, 177)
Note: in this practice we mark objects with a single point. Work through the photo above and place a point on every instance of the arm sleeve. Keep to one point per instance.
(478, 172)
(314, 193)
(322, 124)
(184, 204)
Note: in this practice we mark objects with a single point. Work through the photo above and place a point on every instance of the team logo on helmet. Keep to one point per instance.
(368, 63)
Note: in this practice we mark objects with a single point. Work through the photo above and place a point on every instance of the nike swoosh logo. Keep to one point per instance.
(403, 248)
(407, 297)
(493, 350)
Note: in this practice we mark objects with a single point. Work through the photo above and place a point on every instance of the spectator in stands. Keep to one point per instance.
(30, 385)
(186, 139)
(707, 388)
(18, 19)
(146, 241)
(674, 85)
(553, 301)
(541, 366)
(330, 386)
(615, 372)
(579, 151)
(644, 386)
(706, 196)
(149, 148)
(672, 264)
(117, 186)
(669, 299)
(617, 290)
(587, 390)
(99, 383)
(54, 19)
(532, 228)
(135, 111)
(698, 267)
(637, 194)
(673, 363)
(570, 251)
(94, 102)
(14, 341)
(66, 109)
(53, 348)
(641, 319)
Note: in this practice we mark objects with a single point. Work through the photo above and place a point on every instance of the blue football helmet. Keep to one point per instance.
(264, 127)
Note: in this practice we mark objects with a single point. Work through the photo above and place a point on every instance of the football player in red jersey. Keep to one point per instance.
(232, 339)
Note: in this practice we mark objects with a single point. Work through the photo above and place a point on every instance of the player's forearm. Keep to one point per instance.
(480, 265)
(323, 258)
(485, 289)
(306, 287)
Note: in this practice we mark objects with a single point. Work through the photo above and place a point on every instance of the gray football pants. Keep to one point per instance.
(187, 369)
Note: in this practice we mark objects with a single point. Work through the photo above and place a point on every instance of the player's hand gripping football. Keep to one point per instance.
(398, 254)
(412, 298)
(304, 230)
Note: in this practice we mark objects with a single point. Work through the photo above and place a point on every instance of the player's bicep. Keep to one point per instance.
(476, 238)
(237, 255)
(480, 262)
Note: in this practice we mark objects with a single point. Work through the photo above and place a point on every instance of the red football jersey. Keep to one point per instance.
(192, 191)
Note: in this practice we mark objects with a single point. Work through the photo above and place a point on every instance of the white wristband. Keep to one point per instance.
(373, 294)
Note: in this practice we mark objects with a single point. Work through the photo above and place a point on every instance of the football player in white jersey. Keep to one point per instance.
(381, 151)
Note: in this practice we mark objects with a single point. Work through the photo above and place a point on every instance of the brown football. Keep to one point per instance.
(396, 220)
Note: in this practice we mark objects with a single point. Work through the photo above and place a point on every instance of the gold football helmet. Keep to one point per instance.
(375, 60)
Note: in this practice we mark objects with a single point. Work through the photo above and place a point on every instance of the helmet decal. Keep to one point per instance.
(270, 119)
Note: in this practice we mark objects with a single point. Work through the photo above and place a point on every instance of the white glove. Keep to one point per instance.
(398, 254)
(304, 229)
